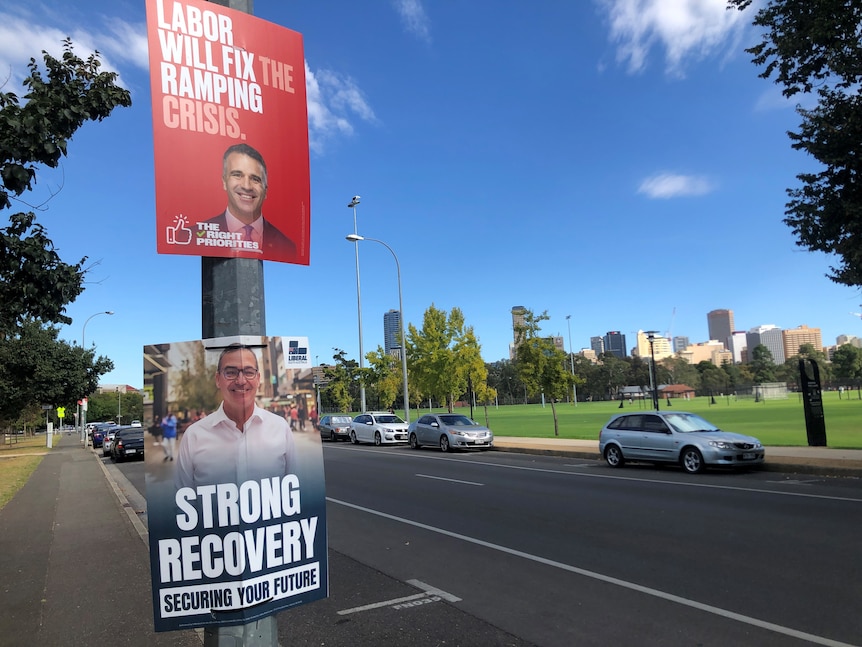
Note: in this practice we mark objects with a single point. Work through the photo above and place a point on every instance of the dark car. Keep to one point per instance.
(128, 443)
(97, 433)
(334, 427)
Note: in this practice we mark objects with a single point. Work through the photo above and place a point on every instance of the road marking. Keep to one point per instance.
(623, 478)
(431, 594)
(670, 597)
(440, 478)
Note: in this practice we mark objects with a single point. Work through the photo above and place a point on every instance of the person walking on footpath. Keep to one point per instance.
(169, 433)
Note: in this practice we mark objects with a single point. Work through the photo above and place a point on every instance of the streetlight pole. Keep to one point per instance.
(572, 361)
(83, 416)
(652, 374)
(355, 238)
(352, 205)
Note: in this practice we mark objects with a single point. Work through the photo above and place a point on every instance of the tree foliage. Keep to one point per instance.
(342, 382)
(814, 46)
(443, 355)
(385, 375)
(540, 364)
(847, 363)
(34, 281)
(38, 368)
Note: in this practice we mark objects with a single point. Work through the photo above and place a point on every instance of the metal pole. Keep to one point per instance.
(355, 238)
(572, 362)
(233, 303)
(352, 205)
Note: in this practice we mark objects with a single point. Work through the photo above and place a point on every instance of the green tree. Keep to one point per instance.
(713, 380)
(680, 371)
(37, 368)
(341, 389)
(762, 364)
(540, 364)
(34, 281)
(813, 46)
(385, 375)
(443, 354)
(195, 386)
(847, 363)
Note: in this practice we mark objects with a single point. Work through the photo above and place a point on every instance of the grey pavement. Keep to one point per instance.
(74, 568)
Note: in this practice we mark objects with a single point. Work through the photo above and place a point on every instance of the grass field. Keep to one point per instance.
(773, 422)
(15, 470)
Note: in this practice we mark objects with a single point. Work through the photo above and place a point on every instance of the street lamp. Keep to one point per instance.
(352, 205)
(355, 238)
(83, 416)
(652, 375)
(572, 361)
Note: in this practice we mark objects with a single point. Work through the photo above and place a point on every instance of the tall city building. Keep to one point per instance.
(597, 345)
(660, 346)
(738, 346)
(795, 337)
(680, 342)
(615, 343)
(769, 336)
(518, 313)
(720, 324)
(391, 331)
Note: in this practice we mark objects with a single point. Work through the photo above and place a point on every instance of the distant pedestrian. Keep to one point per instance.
(169, 433)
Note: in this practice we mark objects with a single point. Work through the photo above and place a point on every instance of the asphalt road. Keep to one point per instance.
(522, 549)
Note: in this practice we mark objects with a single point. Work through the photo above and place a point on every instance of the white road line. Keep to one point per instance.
(387, 603)
(786, 631)
(628, 478)
(440, 478)
(432, 590)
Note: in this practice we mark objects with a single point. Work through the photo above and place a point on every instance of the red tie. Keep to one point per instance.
(246, 233)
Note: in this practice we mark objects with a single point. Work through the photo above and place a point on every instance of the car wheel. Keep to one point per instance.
(414, 442)
(353, 437)
(614, 456)
(444, 444)
(692, 460)
(377, 439)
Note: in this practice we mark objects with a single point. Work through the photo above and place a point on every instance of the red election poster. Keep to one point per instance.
(230, 129)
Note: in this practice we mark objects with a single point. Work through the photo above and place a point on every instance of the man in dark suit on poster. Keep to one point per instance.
(244, 180)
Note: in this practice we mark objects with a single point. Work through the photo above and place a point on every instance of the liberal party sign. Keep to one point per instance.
(230, 128)
(235, 485)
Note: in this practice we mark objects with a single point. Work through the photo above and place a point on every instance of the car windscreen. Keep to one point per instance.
(341, 420)
(389, 420)
(688, 422)
(462, 421)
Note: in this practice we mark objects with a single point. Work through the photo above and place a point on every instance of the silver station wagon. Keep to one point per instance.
(675, 437)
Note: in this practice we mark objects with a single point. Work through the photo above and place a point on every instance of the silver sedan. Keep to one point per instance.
(449, 431)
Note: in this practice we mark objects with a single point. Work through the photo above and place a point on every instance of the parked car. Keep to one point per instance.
(108, 442)
(136, 423)
(128, 443)
(378, 427)
(97, 432)
(334, 427)
(449, 431)
(675, 437)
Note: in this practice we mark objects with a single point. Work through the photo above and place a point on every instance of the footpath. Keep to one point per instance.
(75, 571)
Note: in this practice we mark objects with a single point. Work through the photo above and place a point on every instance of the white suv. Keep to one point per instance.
(378, 427)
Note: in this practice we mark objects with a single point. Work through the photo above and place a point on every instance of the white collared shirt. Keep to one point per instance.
(213, 450)
(235, 226)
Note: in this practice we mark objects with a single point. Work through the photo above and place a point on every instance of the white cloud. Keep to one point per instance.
(333, 101)
(686, 30)
(24, 34)
(414, 18)
(671, 185)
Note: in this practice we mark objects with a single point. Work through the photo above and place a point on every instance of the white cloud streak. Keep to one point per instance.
(414, 18)
(333, 100)
(672, 185)
(687, 30)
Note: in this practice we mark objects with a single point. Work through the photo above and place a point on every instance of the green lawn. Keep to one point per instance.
(774, 422)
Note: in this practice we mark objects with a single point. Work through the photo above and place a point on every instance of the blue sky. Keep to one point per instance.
(618, 161)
